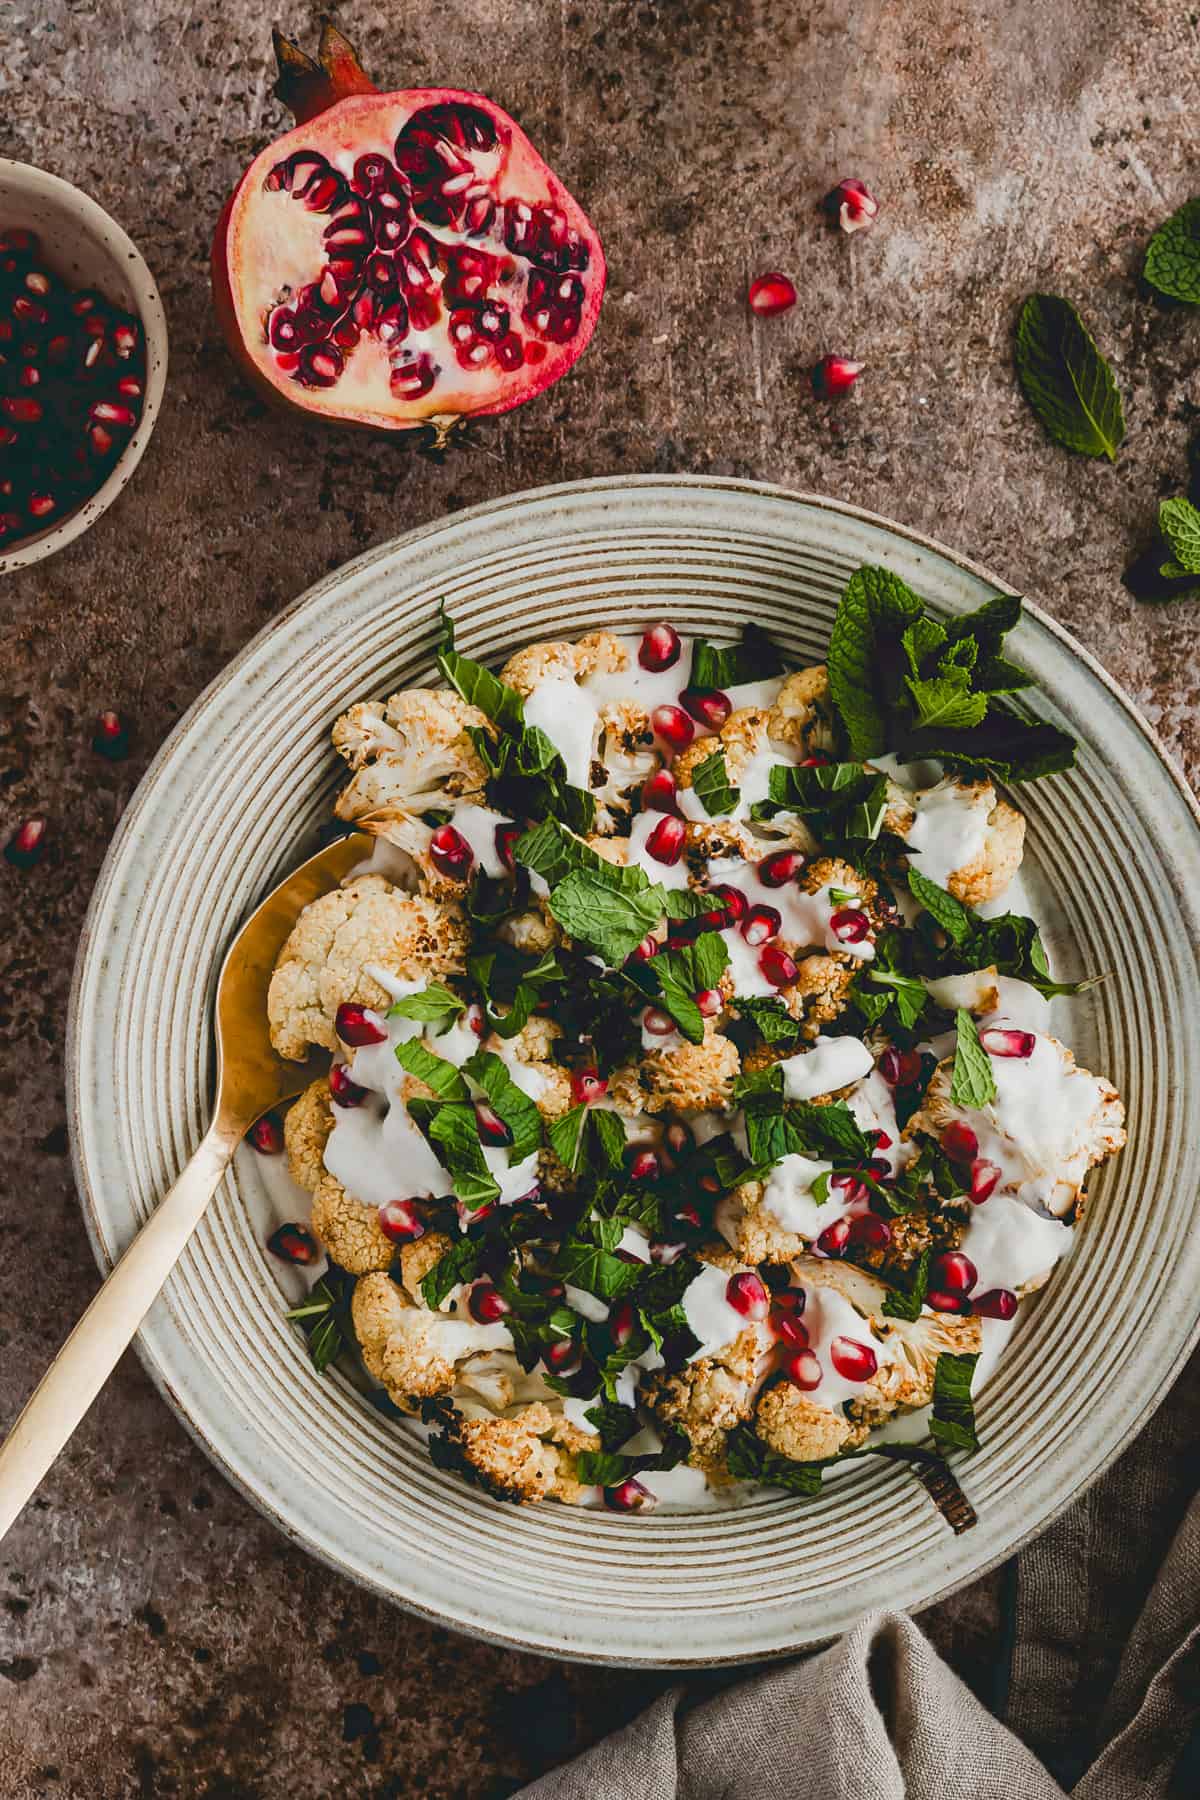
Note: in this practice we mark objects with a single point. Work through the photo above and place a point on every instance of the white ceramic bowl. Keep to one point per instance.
(234, 799)
(87, 249)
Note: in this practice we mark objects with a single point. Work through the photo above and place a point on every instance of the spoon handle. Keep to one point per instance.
(92, 1351)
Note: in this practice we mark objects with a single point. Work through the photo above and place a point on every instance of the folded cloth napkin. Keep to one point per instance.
(880, 1716)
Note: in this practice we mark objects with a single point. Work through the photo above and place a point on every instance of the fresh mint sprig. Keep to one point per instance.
(1066, 380)
(1173, 255)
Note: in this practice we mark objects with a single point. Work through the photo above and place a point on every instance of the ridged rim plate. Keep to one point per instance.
(233, 800)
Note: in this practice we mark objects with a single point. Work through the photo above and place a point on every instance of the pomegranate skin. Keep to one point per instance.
(340, 109)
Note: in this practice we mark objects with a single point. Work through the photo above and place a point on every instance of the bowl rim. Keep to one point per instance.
(101, 227)
(242, 1481)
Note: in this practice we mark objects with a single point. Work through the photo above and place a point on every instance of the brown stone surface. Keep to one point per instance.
(158, 1638)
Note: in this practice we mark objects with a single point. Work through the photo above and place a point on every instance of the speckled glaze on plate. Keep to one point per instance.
(234, 799)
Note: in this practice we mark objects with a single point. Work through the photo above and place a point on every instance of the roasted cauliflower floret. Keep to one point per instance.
(833, 871)
(415, 1353)
(625, 754)
(324, 961)
(803, 715)
(416, 1260)
(410, 755)
(907, 1380)
(707, 1398)
(512, 1458)
(820, 991)
(531, 932)
(715, 841)
(306, 1132)
(349, 1230)
(992, 831)
(691, 1078)
(754, 1233)
(792, 1423)
(599, 653)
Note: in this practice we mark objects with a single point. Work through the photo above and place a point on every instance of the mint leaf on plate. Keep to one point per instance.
(952, 1421)
(973, 1083)
(710, 784)
(434, 1005)
(1173, 255)
(1065, 378)
(874, 600)
(755, 658)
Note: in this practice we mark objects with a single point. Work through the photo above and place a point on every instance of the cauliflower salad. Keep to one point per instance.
(694, 1119)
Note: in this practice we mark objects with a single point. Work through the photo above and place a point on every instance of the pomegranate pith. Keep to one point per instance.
(404, 258)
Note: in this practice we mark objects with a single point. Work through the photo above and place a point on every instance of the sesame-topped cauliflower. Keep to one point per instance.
(990, 834)
(326, 957)
(753, 1232)
(598, 653)
(820, 992)
(803, 715)
(793, 1424)
(528, 1455)
(418, 1354)
(691, 1078)
(707, 1398)
(306, 1130)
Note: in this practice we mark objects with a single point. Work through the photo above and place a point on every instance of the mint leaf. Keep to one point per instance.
(1006, 746)
(434, 1005)
(755, 658)
(771, 1019)
(946, 702)
(675, 977)
(749, 1459)
(512, 1103)
(462, 1262)
(920, 641)
(874, 600)
(1173, 255)
(1179, 522)
(417, 1059)
(1065, 378)
(565, 1136)
(973, 1083)
(615, 1423)
(952, 1421)
(554, 853)
(909, 995)
(586, 1260)
(954, 918)
(479, 687)
(906, 1302)
(710, 784)
(451, 1129)
(608, 1130)
(324, 1317)
(526, 776)
(604, 918)
(600, 1468)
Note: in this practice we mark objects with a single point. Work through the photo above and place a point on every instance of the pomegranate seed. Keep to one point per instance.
(882, 1140)
(645, 1166)
(398, 1221)
(772, 293)
(356, 1025)
(108, 412)
(486, 1303)
(666, 842)
(942, 1300)
(450, 853)
(780, 867)
(660, 792)
(657, 1022)
(660, 647)
(26, 844)
(834, 1239)
(803, 1370)
(835, 376)
(41, 505)
(100, 440)
(672, 724)
(777, 966)
(852, 205)
(622, 1323)
(475, 1019)
(468, 1217)
(130, 387)
(960, 1142)
(492, 1129)
(900, 1068)
(125, 343)
(998, 1042)
(734, 903)
(709, 706)
(111, 737)
(677, 1137)
(559, 1354)
(629, 1497)
(786, 1322)
(710, 1001)
(587, 1085)
(687, 1215)
(648, 947)
(852, 1189)
(997, 1303)
(266, 1134)
(342, 1090)
(850, 925)
(506, 836)
(20, 410)
(761, 923)
(984, 1176)
(295, 1244)
(954, 1273)
(852, 1360)
(30, 375)
(872, 1232)
(747, 1295)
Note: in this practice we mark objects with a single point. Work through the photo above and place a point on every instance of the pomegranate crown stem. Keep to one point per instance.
(307, 85)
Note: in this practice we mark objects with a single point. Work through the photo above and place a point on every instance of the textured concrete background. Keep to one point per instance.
(156, 1637)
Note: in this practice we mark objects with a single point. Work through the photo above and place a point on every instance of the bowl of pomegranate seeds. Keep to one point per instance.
(713, 1205)
(83, 362)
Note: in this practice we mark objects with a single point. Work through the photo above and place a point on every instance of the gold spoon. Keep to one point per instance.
(251, 1079)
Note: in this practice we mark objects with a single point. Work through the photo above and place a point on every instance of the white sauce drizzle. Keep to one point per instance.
(566, 712)
(950, 828)
(832, 1063)
(789, 1198)
(1011, 1244)
(709, 1314)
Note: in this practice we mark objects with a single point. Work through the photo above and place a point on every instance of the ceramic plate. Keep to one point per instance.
(235, 798)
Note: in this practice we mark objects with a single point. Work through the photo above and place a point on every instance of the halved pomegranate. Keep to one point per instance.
(401, 259)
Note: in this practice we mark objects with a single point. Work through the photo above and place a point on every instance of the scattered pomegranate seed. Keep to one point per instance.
(954, 1272)
(777, 966)
(747, 1294)
(343, 1091)
(761, 923)
(266, 1134)
(486, 1303)
(506, 836)
(780, 867)
(708, 706)
(870, 1231)
(622, 1323)
(835, 376)
(660, 792)
(687, 1215)
(786, 1321)
(999, 1042)
(900, 1068)
(850, 925)
(450, 853)
(984, 1177)
(734, 903)
(657, 1022)
(667, 840)
(803, 1370)
(559, 1354)
(852, 205)
(357, 1025)
(629, 1496)
(852, 1360)
(834, 1239)
(660, 647)
(710, 1001)
(852, 1189)
(672, 724)
(476, 1019)
(648, 948)
(111, 737)
(772, 293)
(997, 1303)
(677, 1137)
(943, 1300)
(399, 1221)
(587, 1086)
(882, 1140)
(491, 1127)
(960, 1142)
(468, 1216)
(25, 846)
(295, 1244)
